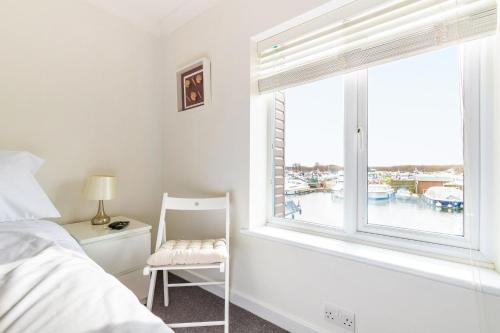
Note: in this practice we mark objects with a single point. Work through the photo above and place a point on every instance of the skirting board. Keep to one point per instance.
(263, 310)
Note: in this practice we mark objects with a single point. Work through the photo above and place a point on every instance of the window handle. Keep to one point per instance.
(361, 139)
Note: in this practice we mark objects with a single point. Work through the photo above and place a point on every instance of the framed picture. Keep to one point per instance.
(193, 86)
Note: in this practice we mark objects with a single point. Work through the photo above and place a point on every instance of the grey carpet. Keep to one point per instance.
(195, 304)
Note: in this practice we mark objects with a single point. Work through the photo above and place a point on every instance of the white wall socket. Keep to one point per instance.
(340, 317)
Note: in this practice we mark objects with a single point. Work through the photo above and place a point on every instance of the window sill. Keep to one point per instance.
(461, 275)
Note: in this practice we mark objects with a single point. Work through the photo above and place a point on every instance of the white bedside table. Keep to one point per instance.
(122, 253)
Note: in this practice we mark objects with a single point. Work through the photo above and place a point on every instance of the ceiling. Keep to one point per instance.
(158, 16)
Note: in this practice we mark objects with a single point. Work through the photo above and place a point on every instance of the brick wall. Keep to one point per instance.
(279, 154)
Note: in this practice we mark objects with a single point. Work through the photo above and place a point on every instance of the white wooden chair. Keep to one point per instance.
(170, 203)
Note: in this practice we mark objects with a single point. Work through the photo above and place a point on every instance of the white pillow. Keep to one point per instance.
(20, 159)
(21, 197)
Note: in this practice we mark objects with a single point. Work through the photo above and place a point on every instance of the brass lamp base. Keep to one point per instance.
(101, 217)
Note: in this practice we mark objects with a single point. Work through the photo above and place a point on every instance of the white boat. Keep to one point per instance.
(444, 197)
(340, 177)
(403, 194)
(380, 192)
(296, 186)
(338, 191)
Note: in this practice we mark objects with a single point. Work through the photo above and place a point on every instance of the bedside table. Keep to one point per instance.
(122, 253)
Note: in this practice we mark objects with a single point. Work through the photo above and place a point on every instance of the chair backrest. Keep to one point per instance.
(190, 204)
(194, 204)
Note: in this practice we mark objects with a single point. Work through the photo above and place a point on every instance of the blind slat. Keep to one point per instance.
(451, 22)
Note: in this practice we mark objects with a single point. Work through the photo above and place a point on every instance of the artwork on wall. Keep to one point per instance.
(193, 86)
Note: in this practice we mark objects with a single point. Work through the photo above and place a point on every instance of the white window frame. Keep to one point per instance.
(356, 227)
(470, 63)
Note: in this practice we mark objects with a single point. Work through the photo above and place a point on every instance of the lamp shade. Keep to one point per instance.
(100, 188)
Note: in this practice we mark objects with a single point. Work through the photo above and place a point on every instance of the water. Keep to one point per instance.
(319, 207)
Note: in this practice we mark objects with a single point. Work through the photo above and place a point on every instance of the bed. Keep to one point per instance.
(48, 284)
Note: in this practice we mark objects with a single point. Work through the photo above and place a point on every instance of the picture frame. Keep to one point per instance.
(193, 86)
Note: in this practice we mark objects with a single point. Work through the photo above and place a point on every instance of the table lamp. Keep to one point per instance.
(100, 188)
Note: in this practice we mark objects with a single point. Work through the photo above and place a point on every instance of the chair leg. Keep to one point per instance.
(151, 294)
(165, 288)
(226, 298)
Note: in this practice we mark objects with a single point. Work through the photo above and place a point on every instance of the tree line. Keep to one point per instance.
(297, 167)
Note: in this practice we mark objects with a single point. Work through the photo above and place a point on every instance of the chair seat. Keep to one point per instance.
(189, 252)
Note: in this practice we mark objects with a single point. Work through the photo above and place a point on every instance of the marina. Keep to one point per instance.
(425, 202)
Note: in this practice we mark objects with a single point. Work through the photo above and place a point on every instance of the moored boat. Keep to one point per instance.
(403, 194)
(314, 181)
(380, 192)
(338, 191)
(296, 186)
(444, 197)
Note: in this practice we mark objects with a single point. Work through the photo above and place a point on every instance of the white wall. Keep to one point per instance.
(207, 153)
(82, 89)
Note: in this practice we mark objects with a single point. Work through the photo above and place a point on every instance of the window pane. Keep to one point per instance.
(415, 144)
(314, 153)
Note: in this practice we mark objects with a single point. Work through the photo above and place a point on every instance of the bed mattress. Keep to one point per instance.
(48, 284)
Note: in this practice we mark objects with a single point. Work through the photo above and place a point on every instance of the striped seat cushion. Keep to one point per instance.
(189, 252)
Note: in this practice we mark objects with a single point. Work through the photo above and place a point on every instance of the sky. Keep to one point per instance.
(414, 114)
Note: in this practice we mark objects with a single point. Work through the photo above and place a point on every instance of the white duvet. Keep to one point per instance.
(47, 284)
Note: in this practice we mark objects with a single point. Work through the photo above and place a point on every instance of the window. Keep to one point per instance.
(414, 144)
(413, 185)
(377, 122)
(314, 153)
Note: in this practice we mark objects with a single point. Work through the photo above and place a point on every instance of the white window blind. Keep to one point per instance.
(330, 45)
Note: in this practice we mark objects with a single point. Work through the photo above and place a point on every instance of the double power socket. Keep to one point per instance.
(340, 317)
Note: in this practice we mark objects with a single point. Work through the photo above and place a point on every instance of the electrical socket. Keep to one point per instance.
(340, 317)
